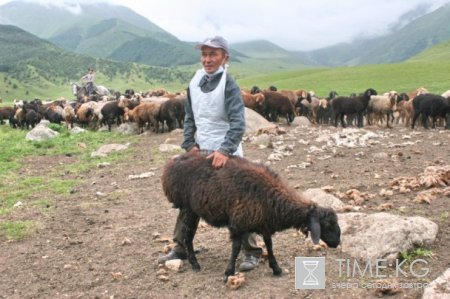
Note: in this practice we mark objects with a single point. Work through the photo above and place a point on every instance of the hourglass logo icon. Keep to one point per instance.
(310, 273)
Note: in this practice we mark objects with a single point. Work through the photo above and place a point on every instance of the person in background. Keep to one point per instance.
(213, 126)
(88, 80)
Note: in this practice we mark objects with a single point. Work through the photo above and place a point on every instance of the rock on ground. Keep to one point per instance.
(324, 199)
(104, 150)
(438, 288)
(383, 235)
(41, 132)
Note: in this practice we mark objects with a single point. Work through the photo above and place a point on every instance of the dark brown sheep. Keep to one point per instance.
(245, 197)
(276, 104)
(347, 106)
(6, 113)
(172, 112)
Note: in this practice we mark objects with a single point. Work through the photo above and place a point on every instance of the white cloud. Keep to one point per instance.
(291, 24)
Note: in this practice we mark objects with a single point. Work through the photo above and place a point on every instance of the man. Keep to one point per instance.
(213, 126)
(88, 79)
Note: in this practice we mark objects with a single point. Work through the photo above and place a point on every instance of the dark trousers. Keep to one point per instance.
(90, 87)
(187, 220)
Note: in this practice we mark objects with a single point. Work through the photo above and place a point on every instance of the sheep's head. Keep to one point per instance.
(324, 225)
(259, 99)
(370, 92)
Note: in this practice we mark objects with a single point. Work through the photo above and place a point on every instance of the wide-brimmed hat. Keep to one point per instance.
(214, 42)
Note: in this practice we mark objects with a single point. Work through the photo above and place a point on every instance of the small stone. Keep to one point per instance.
(174, 265)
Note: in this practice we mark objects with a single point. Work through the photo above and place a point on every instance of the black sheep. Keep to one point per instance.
(431, 105)
(111, 113)
(172, 112)
(351, 105)
(245, 197)
(32, 118)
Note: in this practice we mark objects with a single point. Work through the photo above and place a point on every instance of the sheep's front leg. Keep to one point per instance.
(190, 222)
(272, 261)
(235, 248)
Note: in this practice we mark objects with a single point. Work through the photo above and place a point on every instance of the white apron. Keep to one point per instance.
(210, 116)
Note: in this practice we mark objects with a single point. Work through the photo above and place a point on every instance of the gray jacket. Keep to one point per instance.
(235, 109)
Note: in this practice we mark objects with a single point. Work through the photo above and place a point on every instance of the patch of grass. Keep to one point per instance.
(42, 204)
(16, 187)
(16, 230)
(444, 215)
(416, 253)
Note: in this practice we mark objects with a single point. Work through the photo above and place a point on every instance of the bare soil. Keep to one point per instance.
(103, 240)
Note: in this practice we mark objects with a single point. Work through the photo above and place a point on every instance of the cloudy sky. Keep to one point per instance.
(291, 24)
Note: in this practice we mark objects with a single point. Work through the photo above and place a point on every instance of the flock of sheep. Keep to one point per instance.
(158, 109)
(336, 109)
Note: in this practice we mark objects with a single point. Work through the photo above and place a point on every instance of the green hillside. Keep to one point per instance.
(440, 52)
(100, 30)
(31, 67)
(428, 69)
(118, 40)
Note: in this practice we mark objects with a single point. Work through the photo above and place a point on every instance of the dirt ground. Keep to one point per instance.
(103, 240)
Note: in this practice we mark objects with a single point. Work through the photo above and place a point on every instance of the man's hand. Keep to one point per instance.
(218, 159)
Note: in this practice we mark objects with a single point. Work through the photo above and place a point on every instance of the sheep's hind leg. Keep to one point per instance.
(272, 261)
(235, 248)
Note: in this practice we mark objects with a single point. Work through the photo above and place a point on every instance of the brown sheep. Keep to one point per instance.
(6, 113)
(245, 197)
(253, 101)
(69, 116)
(147, 112)
(86, 113)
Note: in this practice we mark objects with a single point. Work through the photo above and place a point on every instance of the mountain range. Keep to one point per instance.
(115, 32)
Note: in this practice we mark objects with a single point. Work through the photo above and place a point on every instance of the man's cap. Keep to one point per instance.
(214, 42)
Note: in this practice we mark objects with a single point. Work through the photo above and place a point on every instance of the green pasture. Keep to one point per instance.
(38, 191)
(402, 77)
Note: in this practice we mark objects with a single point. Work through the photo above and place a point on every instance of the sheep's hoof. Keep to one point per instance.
(277, 272)
(196, 268)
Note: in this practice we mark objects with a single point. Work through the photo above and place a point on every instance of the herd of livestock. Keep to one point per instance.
(159, 109)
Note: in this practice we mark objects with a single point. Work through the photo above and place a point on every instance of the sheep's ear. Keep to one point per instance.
(314, 227)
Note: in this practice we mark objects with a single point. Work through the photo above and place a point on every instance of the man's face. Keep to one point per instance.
(212, 59)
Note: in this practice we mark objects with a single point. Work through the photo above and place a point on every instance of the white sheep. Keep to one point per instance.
(382, 104)
(446, 94)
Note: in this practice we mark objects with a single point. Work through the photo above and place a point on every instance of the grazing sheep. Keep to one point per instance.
(382, 104)
(69, 115)
(276, 104)
(446, 94)
(112, 112)
(246, 197)
(32, 118)
(324, 112)
(172, 113)
(431, 105)
(254, 101)
(147, 112)
(6, 113)
(404, 109)
(255, 89)
(346, 106)
(85, 113)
